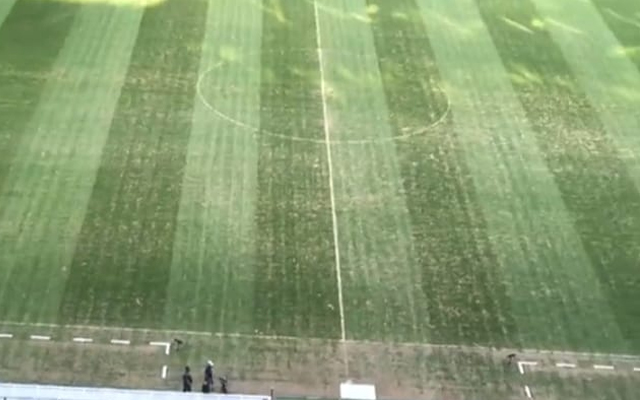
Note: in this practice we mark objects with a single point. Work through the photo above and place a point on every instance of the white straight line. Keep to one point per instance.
(82, 340)
(40, 337)
(528, 391)
(334, 215)
(105, 328)
(607, 367)
(166, 345)
(119, 341)
(529, 363)
(565, 365)
(520, 368)
(636, 369)
(6, 336)
(164, 372)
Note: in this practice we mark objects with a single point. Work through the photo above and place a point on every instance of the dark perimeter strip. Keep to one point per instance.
(460, 278)
(595, 185)
(296, 291)
(122, 262)
(31, 37)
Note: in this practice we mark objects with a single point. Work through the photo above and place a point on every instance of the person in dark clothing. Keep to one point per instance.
(187, 380)
(208, 375)
(223, 385)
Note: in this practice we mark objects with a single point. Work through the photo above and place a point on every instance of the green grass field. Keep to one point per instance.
(457, 172)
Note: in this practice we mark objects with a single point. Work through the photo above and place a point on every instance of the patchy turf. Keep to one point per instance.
(458, 173)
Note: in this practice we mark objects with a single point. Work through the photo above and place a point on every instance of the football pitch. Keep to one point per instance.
(399, 192)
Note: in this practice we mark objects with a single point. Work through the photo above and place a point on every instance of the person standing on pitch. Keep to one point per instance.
(208, 375)
(187, 380)
(223, 385)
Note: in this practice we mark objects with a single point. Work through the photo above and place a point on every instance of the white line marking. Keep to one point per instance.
(106, 328)
(565, 365)
(528, 391)
(164, 372)
(119, 341)
(40, 337)
(166, 345)
(82, 340)
(334, 215)
(488, 350)
(6, 335)
(636, 369)
(607, 367)
(254, 129)
(522, 364)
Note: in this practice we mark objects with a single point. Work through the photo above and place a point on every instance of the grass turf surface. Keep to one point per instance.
(167, 167)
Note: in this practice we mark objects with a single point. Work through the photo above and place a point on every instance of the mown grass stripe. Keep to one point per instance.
(623, 18)
(27, 55)
(595, 185)
(466, 300)
(530, 228)
(5, 8)
(212, 270)
(49, 185)
(121, 268)
(382, 294)
(295, 292)
(611, 82)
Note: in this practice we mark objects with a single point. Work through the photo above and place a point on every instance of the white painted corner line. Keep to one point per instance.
(522, 364)
(528, 391)
(82, 340)
(119, 341)
(166, 345)
(40, 337)
(565, 365)
(164, 372)
(605, 367)
(6, 336)
(334, 215)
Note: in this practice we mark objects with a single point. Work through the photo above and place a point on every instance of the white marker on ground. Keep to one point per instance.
(636, 369)
(82, 340)
(606, 367)
(334, 215)
(6, 335)
(166, 345)
(164, 372)
(119, 341)
(40, 337)
(565, 365)
(522, 364)
(528, 391)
